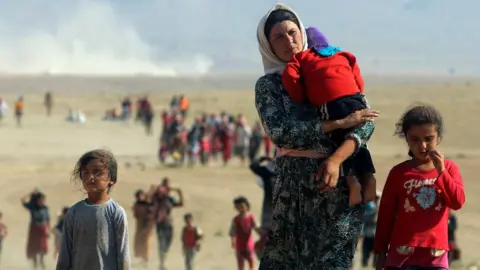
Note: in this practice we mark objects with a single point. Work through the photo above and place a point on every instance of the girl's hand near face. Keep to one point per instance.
(438, 160)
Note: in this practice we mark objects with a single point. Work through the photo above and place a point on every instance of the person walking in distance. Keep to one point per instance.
(164, 203)
(48, 102)
(192, 236)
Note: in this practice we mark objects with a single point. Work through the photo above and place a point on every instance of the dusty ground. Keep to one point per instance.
(43, 152)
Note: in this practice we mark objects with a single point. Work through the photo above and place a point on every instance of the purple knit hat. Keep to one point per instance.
(316, 39)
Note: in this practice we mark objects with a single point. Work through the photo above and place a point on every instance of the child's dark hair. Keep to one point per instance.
(417, 115)
(35, 197)
(187, 216)
(139, 192)
(65, 210)
(104, 156)
(420, 114)
(241, 200)
(165, 180)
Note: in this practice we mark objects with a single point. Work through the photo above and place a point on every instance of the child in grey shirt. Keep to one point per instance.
(95, 232)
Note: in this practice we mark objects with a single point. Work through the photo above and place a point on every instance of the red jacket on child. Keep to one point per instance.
(322, 79)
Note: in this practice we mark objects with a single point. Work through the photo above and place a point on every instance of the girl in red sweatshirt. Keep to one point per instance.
(412, 225)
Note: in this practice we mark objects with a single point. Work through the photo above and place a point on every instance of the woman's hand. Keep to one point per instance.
(358, 117)
(328, 175)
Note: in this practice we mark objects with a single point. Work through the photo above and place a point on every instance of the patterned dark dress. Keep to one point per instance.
(310, 230)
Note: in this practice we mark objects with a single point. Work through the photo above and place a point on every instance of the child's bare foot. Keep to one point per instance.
(355, 195)
(369, 188)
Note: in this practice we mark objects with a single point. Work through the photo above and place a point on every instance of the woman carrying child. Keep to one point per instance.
(313, 224)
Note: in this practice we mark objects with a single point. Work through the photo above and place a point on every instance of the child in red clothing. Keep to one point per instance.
(241, 233)
(191, 237)
(412, 225)
(330, 79)
(205, 150)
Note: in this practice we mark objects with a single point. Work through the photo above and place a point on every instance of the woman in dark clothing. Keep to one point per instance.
(313, 227)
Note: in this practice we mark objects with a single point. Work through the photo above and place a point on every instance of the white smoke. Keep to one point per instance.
(90, 39)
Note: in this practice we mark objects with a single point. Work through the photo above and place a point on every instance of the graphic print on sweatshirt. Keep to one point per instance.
(424, 193)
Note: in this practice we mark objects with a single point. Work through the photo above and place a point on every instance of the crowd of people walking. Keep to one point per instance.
(211, 137)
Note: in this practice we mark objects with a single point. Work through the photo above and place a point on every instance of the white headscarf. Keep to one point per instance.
(271, 63)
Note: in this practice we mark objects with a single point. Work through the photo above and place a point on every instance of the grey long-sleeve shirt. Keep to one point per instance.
(95, 237)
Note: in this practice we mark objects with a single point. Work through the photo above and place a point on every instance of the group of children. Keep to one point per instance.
(153, 209)
(241, 230)
(93, 233)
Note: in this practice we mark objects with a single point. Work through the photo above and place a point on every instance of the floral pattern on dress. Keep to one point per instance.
(310, 230)
(426, 197)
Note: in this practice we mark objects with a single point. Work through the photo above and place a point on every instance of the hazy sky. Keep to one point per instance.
(425, 37)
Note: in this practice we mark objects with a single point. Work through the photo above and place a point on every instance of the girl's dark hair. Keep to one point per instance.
(65, 210)
(277, 16)
(241, 200)
(35, 197)
(417, 115)
(104, 156)
(420, 114)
